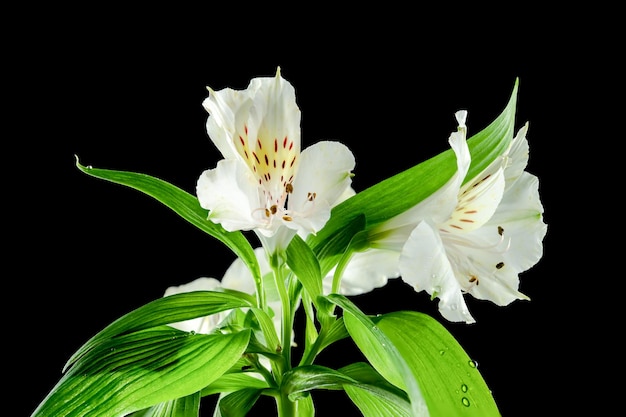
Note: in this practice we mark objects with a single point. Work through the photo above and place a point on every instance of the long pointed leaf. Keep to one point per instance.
(380, 352)
(398, 193)
(142, 369)
(303, 263)
(372, 393)
(188, 406)
(449, 379)
(166, 310)
(183, 204)
(238, 403)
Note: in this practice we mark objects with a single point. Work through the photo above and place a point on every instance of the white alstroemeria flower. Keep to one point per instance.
(373, 267)
(474, 238)
(492, 233)
(265, 183)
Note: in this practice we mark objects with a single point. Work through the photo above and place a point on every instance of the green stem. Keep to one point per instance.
(286, 407)
(315, 349)
(286, 321)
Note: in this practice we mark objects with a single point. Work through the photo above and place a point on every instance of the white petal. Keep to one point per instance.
(366, 271)
(425, 266)
(479, 262)
(201, 324)
(199, 284)
(231, 195)
(275, 107)
(348, 192)
(517, 156)
(520, 215)
(222, 126)
(238, 277)
(477, 200)
(322, 178)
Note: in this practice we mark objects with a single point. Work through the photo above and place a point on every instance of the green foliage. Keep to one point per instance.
(408, 347)
(183, 204)
(140, 370)
(141, 367)
(380, 202)
(188, 406)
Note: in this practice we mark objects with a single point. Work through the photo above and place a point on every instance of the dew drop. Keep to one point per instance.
(473, 364)
(463, 387)
(192, 332)
(465, 401)
(442, 352)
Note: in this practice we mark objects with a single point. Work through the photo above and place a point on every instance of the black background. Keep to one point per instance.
(124, 91)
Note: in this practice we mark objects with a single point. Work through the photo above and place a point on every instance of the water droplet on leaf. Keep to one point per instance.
(465, 401)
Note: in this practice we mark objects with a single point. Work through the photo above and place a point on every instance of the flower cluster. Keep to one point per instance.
(468, 221)
(472, 236)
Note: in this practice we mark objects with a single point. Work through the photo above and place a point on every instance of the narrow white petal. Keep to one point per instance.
(477, 200)
(517, 156)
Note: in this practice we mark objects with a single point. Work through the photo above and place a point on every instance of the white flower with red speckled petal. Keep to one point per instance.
(265, 183)
(493, 233)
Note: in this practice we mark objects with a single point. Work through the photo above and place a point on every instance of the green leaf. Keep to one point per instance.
(449, 379)
(336, 332)
(330, 250)
(140, 370)
(234, 381)
(371, 394)
(374, 402)
(380, 352)
(381, 201)
(183, 204)
(267, 327)
(238, 403)
(300, 380)
(188, 406)
(303, 263)
(167, 310)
